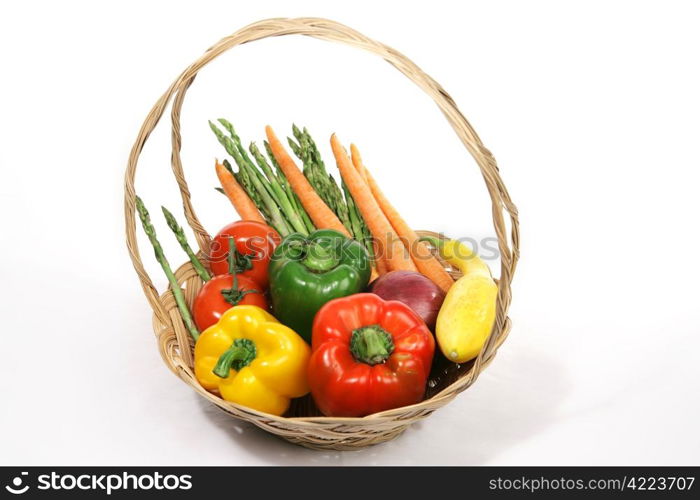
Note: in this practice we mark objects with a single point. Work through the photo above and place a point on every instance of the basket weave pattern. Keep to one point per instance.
(303, 424)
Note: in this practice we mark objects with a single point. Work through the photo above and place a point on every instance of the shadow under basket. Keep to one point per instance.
(303, 424)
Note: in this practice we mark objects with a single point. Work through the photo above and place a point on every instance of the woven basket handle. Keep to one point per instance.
(323, 29)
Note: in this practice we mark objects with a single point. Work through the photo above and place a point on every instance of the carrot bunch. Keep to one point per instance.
(398, 243)
(292, 200)
(256, 187)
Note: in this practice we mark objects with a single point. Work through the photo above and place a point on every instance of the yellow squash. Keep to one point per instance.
(468, 312)
(250, 358)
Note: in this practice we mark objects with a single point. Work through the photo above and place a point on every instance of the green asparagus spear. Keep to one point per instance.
(291, 195)
(248, 172)
(160, 257)
(341, 204)
(247, 162)
(313, 151)
(243, 179)
(296, 149)
(237, 141)
(324, 182)
(298, 134)
(300, 208)
(273, 210)
(268, 181)
(316, 176)
(280, 194)
(251, 166)
(368, 240)
(353, 215)
(280, 175)
(224, 140)
(282, 179)
(182, 240)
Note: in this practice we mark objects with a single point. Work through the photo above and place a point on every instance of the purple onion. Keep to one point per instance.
(413, 289)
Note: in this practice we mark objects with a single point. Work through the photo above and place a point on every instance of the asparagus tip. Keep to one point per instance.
(170, 219)
(141, 208)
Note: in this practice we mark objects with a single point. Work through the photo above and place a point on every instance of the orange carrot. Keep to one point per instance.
(241, 202)
(388, 241)
(322, 216)
(379, 261)
(426, 263)
(357, 162)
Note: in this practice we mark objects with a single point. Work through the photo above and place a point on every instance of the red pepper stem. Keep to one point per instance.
(371, 344)
(241, 353)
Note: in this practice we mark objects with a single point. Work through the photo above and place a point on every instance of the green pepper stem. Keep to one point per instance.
(241, 353)
(319, 258)
(371, 344)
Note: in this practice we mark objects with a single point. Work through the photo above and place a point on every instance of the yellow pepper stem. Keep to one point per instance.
(240, 354)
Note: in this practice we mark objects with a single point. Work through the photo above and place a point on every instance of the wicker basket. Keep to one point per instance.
(303, 424)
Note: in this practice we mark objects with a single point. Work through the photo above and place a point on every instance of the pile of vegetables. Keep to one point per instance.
(322, 287)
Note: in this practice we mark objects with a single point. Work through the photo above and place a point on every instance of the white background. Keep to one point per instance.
(592, 110)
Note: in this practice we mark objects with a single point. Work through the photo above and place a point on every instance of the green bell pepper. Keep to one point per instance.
(308, 271)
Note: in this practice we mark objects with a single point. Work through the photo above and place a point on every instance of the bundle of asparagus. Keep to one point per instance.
(341, 202)
(272, 194)
(268, 189)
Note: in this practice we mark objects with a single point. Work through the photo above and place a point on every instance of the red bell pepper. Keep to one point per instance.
(368, 355)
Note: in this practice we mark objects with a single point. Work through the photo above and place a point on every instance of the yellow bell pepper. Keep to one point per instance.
(469, 310)
(251, 359)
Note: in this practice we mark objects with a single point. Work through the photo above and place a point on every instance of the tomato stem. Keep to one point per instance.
(233, 295)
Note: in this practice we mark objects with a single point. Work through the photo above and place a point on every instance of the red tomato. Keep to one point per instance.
(217, 296)
(255, 243)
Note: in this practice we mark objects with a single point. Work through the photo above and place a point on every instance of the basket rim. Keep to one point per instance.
(443, 397)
